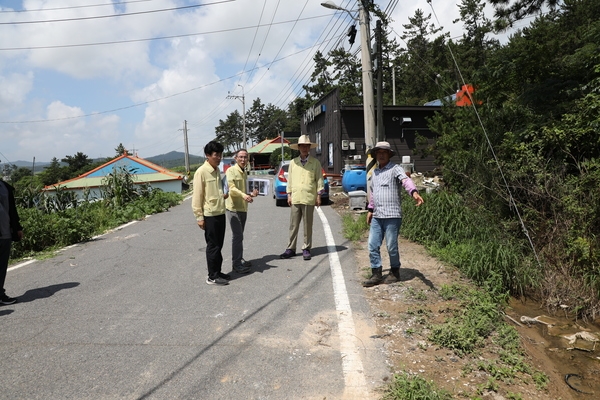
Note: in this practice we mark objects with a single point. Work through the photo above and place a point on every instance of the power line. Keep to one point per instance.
(157, 38)
(114, 15)
(72, 7)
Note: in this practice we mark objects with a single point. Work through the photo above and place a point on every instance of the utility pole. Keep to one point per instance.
(242, 98)
(368, 98)
(187, 151)
(379, 69)
(367, 81)
(282, 155)
(367, 78)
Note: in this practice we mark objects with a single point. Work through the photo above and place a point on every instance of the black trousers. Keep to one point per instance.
(4, 255)
(214, 233)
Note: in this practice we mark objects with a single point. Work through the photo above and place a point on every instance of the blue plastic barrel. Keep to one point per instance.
(354, 179)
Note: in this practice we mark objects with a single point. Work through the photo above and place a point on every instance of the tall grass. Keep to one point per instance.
(472, 239)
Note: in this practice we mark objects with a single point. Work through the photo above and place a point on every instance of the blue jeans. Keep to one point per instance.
(390, 228)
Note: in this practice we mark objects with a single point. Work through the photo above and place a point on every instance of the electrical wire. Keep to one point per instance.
(74, 7)
(114, 15)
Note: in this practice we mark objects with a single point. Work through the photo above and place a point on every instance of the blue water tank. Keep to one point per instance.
(354, 178)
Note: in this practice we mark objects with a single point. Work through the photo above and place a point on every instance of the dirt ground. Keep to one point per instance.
(402, 312)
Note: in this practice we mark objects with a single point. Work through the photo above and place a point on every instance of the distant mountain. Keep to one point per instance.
(28, 164)
(174, 159)
(168, 160)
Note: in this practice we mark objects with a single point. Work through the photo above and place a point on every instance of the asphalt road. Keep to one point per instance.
(129, 315)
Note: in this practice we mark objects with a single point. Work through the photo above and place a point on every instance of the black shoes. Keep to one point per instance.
(241, 269)
(287, 254)
(375, 279)
(5, 300)
(246, 264)
(217, 281)
(227, 277)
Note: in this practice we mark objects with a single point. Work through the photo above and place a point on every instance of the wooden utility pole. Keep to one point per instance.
(187, 151)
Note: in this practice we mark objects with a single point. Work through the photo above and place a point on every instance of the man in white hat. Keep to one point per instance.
(385, 213)
(304, 188)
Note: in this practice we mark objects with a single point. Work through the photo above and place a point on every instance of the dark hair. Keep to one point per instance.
(238, 152)
(213, 147)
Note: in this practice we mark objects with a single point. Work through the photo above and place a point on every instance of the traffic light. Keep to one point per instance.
(351, 34)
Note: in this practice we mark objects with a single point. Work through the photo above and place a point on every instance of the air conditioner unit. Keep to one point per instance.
(345, 144)
(352, 145)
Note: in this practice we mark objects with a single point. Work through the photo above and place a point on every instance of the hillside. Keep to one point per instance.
(167, 160)
(174, 159)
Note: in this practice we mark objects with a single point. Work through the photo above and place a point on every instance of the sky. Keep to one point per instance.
(87, 75)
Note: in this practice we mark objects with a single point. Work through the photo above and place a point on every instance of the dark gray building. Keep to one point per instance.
(339, 132)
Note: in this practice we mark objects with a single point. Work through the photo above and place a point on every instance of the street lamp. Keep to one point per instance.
(367, 72)
(242, 98)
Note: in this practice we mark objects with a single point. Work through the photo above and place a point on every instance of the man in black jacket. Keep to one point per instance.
(10, 230)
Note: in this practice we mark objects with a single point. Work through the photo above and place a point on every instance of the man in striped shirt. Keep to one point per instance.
(385, 213)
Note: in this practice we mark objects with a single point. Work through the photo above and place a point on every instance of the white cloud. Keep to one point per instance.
(170, 80)
(15, 87)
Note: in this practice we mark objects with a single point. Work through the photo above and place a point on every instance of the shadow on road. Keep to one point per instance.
(45, 292)
(262, 264)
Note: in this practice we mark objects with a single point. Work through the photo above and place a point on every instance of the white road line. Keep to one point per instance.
(356, 385)
(21, 265)
(74, 245)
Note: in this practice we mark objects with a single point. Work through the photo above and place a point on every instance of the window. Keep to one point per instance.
(318, 140)
(330, 157)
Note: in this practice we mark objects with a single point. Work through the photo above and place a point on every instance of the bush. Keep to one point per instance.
(50, 230)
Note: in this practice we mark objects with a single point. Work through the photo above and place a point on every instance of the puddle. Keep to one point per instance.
(572, 347)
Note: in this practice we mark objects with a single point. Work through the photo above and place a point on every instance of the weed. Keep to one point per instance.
(405, 386)
(540, 380)
(354, 227)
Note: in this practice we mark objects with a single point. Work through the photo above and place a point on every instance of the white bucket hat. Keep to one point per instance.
(382, 146)
(304, 139)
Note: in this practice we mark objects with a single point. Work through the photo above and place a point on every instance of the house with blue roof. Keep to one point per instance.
(143, 171)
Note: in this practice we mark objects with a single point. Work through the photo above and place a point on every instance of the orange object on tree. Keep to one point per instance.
(464, 95)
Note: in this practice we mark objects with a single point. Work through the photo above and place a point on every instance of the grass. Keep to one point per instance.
(354, 227)
(410, 387)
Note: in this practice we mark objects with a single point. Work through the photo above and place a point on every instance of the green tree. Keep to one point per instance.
(475, 44)
(230, 132)
(265, 121)
(77, 164)
(417, 67)
(19, 174)
(120, 150)
(322, 83)
(508, 13)
(54, 173)
(347, 75)
(295, 112)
